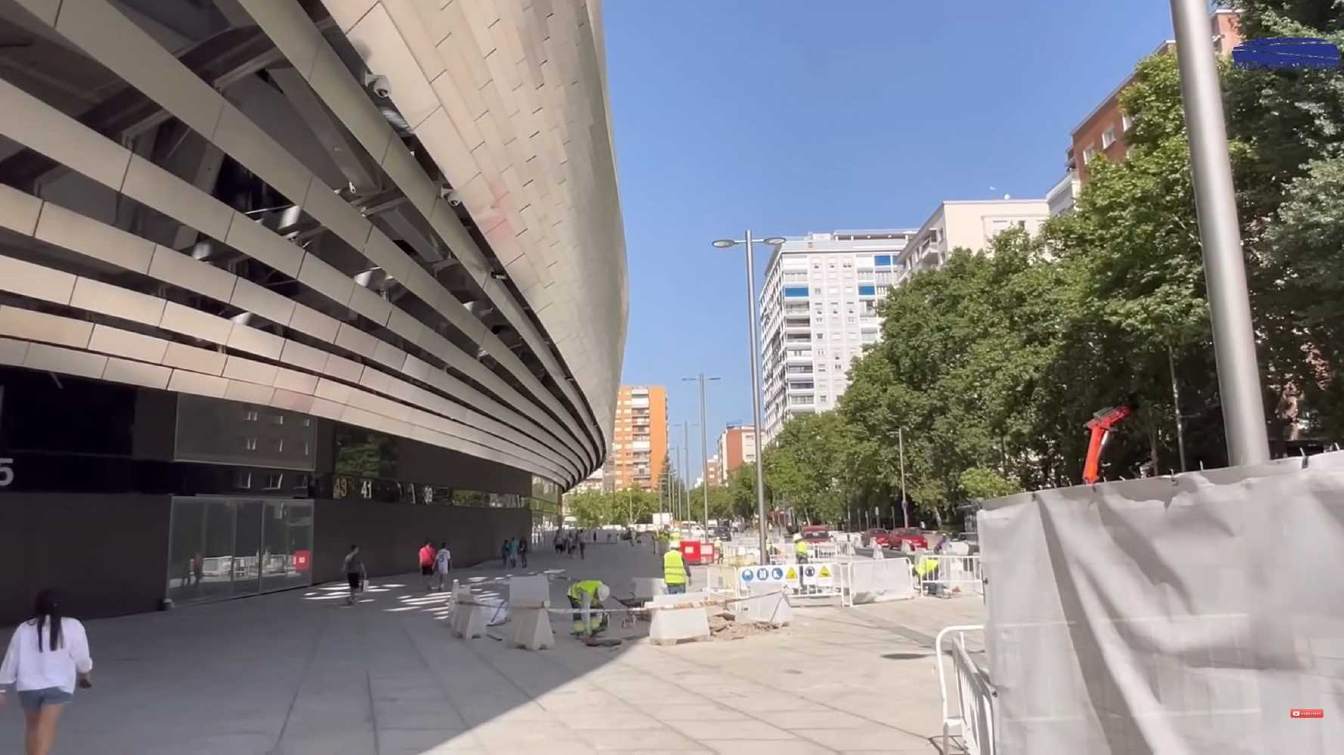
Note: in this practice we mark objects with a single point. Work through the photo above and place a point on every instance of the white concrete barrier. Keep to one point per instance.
(469, 618)
(679, 617)
(647, 588)
(529, 599)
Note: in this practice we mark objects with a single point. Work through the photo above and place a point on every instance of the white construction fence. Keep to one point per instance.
(844, 582)
(968, 704)
(1199, 613)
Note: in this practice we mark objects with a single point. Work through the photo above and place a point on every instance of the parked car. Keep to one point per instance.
(816, 533)
(907, 539)
(877, 538)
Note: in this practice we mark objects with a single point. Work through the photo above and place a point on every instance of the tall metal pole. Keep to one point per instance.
(704, 452)
(905, 510)
(673, 504)
(686, 463)
(754, 353)
(1176, 410)
(1220, 235)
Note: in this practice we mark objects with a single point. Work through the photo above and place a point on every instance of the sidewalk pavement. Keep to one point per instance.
(299, 672)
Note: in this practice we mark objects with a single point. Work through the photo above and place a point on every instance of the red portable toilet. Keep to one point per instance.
(690, 551)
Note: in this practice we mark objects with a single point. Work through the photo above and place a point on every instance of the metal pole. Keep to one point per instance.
(905, 510)
(704, 452)
(686, 464)
(754, 353)
(1220, 235)
(1176, 410)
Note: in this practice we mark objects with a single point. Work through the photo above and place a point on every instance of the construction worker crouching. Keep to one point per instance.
(583, 597)
(674, 571)
(799, 549)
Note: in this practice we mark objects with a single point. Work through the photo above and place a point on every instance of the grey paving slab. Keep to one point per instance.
(298, 672)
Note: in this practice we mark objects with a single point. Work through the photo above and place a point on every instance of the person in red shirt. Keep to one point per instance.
(427, 564)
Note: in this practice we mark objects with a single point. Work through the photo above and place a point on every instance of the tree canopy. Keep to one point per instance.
(990, 366)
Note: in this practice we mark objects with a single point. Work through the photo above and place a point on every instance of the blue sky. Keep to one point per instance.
(789, 116)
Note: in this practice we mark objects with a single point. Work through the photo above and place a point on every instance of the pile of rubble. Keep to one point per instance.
(725, 626)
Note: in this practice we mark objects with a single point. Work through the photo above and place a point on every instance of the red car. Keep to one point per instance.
(816, 533)
(907, 539)
(877, 537)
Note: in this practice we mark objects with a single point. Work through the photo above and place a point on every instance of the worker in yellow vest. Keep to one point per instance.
(583, 597)
(799, 549)
(674, 571)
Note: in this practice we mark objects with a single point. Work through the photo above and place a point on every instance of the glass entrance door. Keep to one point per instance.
(231, 547)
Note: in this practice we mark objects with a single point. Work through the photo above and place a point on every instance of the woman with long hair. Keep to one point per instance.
(47, 656)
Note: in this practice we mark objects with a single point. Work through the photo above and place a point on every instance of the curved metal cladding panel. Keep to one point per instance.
(233, 214)
(509, 99)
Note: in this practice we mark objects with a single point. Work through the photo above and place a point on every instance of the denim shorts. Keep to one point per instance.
(34, 699)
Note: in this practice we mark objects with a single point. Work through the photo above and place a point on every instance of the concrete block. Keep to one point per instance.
(529, 592)
(647, 588)
(532, 628)
(679, 617)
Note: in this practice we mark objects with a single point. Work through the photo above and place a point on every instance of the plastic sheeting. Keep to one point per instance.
(1191, 614)
(869, 581)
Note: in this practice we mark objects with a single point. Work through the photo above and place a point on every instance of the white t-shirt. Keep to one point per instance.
(28, 668)
(442, 558)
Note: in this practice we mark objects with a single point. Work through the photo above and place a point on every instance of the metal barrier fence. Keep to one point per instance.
(973, 720)
(955, 574)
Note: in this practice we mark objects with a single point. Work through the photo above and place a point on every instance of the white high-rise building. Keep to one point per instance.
(818, 311)
(967, 225)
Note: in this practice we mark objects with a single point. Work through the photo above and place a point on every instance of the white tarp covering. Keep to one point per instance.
(1171, 615)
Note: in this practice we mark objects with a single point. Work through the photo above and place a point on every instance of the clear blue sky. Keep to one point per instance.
(789, 116)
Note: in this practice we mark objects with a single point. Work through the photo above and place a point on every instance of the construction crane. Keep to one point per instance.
(1100, 426)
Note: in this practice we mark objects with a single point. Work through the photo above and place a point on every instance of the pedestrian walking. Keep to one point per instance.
(44, 667)
(583, 546)
(426, 557)
(522, 552)
(504, 554)
(355, 574)
(443, 563)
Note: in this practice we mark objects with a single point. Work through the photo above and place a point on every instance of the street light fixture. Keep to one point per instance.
(704, 443)
(754, 354)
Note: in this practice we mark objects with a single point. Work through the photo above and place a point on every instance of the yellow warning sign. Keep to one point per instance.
(791, 574)
(825, 571)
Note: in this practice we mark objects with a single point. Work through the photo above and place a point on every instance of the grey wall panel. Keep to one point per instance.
(96, 296)
(32, 524)
(18, 210)
(79, 148)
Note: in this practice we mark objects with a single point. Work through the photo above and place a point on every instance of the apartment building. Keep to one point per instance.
(818, 311)
(737, 446)
(639, 439)
(1104, 132)
(716, 476)
(966, 225)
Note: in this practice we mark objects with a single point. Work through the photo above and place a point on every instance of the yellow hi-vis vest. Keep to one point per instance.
(589, 586)
(800, 548)
(674, 568)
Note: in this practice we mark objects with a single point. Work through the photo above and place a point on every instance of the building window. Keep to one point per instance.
(250, 444)
(250, 415)
(1108, 138)
(1088, 154)
(882, 260)
(1126, 122)
(795, 291)
(866, 290)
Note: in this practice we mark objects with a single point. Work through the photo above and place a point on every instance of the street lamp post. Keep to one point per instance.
(900, 442)
(673, 504)
(704, 443)
(1220, 237)
(754, 354)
